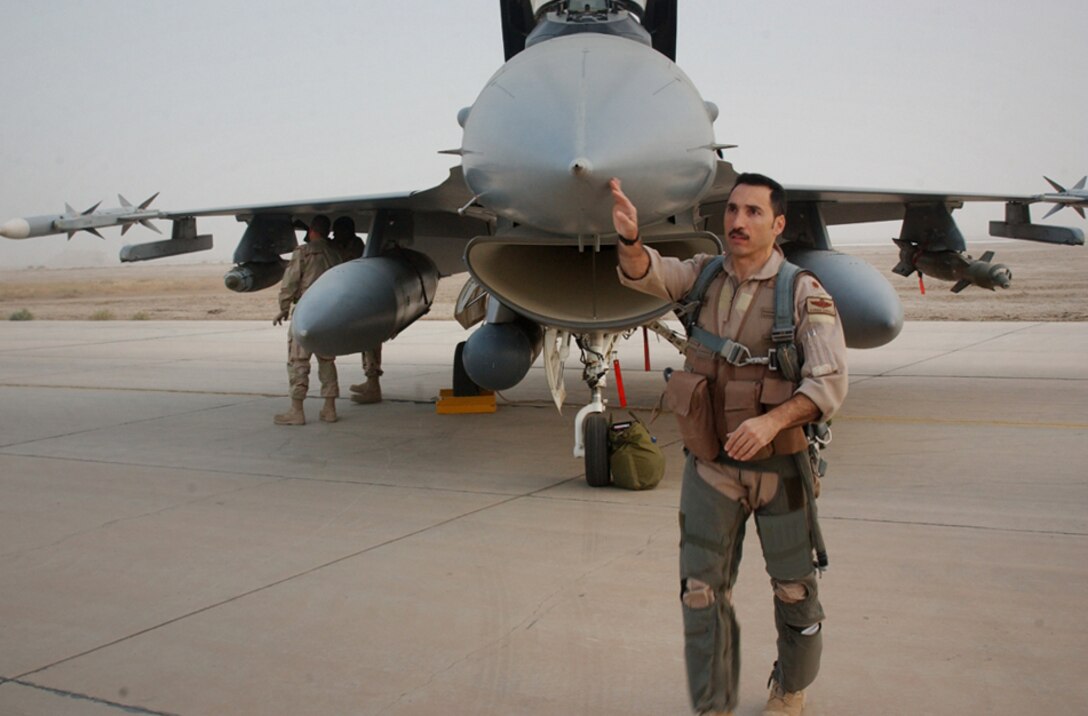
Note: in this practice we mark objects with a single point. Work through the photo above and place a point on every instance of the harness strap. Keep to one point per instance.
(784, 465)
(738, 354)
(692, 303)
(782, 332)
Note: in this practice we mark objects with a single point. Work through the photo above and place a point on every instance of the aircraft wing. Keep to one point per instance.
(438, 222)
(448, 196)
(926, 215)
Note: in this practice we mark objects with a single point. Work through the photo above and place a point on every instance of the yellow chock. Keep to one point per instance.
(450, 404)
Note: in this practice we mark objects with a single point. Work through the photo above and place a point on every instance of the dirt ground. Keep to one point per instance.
(1050, 283)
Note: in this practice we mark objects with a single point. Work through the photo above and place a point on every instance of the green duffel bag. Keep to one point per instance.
(634, 458)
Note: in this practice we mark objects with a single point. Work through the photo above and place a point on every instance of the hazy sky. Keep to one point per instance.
(216, 103)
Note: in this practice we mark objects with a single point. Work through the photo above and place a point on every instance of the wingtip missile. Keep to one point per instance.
(72, 222)
(1076, 198)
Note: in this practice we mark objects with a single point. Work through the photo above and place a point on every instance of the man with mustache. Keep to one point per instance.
(742, 412)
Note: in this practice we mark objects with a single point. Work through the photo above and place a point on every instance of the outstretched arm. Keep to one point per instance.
(634, 261)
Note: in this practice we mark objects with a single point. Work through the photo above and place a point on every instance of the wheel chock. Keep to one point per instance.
(450, 404)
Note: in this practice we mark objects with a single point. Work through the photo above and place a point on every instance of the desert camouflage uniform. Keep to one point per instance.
(308, 261)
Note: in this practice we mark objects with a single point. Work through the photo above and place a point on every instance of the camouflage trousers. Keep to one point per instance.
(712, 530)
(298, 372)
(372, 363)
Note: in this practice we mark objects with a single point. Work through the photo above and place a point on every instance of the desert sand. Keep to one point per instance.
(1050, 283)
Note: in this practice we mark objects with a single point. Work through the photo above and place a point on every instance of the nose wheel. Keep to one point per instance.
(590, 424)
(596, 446)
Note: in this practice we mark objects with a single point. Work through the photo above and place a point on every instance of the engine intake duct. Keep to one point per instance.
(550, 281)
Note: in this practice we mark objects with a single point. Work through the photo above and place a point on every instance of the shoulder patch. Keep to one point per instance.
(820, 306)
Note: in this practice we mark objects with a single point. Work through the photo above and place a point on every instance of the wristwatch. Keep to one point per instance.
(626, 241)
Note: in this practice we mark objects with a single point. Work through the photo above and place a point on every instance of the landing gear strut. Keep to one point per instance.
(590, 424)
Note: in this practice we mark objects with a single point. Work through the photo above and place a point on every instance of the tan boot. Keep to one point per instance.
(368, 392)
(294, 416)
(784, 703)
(328, 413)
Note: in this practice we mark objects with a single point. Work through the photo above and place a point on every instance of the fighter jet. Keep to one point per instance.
(589, 91)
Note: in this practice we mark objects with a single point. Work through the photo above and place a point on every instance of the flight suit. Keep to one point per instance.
(308, 262)
(716, 497)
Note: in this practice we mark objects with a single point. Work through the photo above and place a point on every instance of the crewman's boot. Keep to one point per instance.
(368, 392)
(328, 413)
(784, 703)
(294, 416)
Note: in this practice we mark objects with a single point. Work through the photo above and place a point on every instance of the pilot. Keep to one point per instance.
(748, 453)
(350, 247)
(313, 258)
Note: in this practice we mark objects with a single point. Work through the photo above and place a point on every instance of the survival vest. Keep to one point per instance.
(741, 377)
(727, 381)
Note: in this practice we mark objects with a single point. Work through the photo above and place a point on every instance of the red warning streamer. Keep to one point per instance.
(619, 382)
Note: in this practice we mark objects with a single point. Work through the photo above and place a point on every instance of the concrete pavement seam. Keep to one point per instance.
(983, 528)
(127, 708)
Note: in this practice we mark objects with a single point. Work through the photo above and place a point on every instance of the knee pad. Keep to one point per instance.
(797, 604)
(789, 592)
(696, 594)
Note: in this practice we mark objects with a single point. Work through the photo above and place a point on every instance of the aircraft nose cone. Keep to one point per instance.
(564, 116)
(581, 168)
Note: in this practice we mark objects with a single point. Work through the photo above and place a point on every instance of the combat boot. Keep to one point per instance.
(328, 413)
(368, 392)
(294, 416)
(784, 703)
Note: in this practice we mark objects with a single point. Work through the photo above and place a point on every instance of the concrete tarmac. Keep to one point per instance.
(165, 549)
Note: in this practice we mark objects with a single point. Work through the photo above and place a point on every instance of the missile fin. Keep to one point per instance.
(1054, 209)
(125, 227)
(149, 225)
(124, 202)
(71, 234)
(1079, 210)
(91, 210)
(986, 257)
(95, 232)
(148, 201)
(69, 210)
(960, 285)
(903, 268)
(1057, 187)
(1080, 185)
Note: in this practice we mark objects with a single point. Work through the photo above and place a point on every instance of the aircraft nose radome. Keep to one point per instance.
(16, 229)
(564, 116)
(581, 168)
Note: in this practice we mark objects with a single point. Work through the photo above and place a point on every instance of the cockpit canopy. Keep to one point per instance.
(524, 18)
(544, 6)
(605, 22)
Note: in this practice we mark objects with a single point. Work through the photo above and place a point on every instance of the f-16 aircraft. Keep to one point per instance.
(589, 91)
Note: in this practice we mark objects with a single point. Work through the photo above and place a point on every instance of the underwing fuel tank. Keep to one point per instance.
(562, 117)
(356, 306)
(498, 355)
(868, 305)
